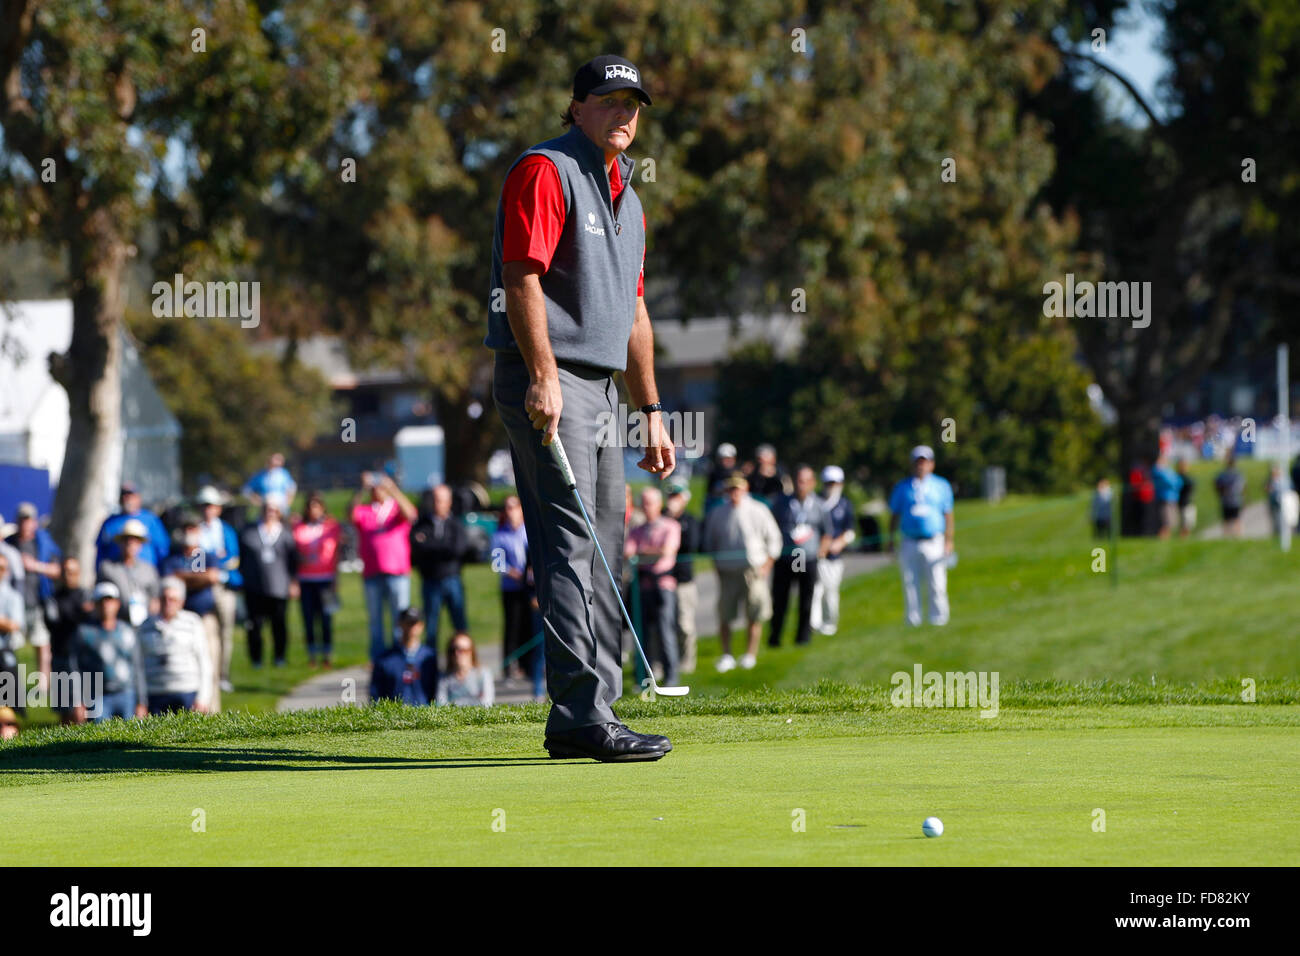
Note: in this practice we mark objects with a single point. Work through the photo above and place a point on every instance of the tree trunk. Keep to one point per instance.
(469, 441)
(91, 373)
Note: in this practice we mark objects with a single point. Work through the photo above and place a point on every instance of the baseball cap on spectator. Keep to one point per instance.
(412, 615)
(832, 475)
(922, 451)
(128, 488)
(107, 589)
(277, 501)
(134, 528)
(208, 496)
(736, 481)
(676, 488)
(605, 74)
(27, 510)
(726, 450)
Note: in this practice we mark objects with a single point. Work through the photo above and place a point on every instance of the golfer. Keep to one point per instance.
(567, 253)
(922, 509)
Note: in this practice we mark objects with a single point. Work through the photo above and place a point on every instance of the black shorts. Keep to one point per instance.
(1231, 512)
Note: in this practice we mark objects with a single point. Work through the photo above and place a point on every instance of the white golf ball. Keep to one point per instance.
(932, 827)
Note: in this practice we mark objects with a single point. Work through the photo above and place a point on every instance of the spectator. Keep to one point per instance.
(767, 482)
(1101, 509)
(806, 536)
(1230, 485)
(40, 557)
(69, 607)
(219, 538)
(1186, 500)
(510, 560)
(8, 723)
(1168, 485)
(744, 540)
(12, 614)
(384, 531)
(830, 572)
(317, 537)
(177, 655)
(633, 517)
(14, 557)
(136, 579)
(438, 544)
(108, 650)
(269, 578)
(272, 480)
(197, 570)
(407, 672)
(1275, 489)
(724, 467)
(922, 508)
(688, 594)
(466, 683)
(655, 545)
(157, 543)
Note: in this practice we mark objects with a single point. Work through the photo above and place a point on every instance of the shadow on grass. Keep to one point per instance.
(145, 758)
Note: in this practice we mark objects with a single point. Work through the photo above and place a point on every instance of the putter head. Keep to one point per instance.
(671, 691)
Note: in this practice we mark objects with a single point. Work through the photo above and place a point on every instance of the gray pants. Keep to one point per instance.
(580, 614)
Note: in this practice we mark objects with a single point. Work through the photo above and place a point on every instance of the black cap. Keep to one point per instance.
(412, 615)
(605, 74)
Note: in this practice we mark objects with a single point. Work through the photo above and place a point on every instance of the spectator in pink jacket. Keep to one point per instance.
(317, 538)
(655, 545)
(384, 537)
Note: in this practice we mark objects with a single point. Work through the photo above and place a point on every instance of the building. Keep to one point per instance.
(374, 405)
(34, 412)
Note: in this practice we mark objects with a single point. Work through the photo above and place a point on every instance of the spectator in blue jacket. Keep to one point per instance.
(273, 480)
(1168, 484)
(156, 546)
(219, 538)
(408, 671)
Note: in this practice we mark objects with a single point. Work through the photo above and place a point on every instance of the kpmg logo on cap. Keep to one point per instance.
(618, 71)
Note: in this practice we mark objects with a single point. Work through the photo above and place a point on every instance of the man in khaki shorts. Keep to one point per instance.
(745, 541)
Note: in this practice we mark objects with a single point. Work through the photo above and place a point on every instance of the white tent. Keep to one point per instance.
(34, 414)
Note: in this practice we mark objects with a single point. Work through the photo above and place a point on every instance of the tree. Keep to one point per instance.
(896, 186)
(1174, 202)
(93, 99)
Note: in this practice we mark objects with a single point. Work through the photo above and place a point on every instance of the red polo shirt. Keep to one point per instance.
(533, 201)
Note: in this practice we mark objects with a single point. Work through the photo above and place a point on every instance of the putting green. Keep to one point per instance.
(1185, 785)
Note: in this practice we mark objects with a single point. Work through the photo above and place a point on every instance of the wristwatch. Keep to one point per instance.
(655, 407)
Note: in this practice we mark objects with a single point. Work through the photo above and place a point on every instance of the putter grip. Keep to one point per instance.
(561, 459)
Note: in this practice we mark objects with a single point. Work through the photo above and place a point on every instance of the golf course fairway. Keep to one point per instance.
(1181, 784)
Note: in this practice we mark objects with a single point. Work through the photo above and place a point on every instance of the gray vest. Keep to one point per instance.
(590, 287)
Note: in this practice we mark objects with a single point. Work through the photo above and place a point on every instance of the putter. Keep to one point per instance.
(561, 459)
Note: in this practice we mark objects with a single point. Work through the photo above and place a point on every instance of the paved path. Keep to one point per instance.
(330, 688)
(1255, 523)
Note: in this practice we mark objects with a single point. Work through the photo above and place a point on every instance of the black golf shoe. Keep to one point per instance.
(608, 743)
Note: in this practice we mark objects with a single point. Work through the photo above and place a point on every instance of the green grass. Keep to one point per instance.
(1027, 603)
(1180, 784)
(1120, 691)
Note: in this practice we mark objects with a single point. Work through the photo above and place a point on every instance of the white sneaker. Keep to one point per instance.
(747, 662)
(726, 663)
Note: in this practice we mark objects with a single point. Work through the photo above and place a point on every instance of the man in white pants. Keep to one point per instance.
(830, 570)
(921, 508)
